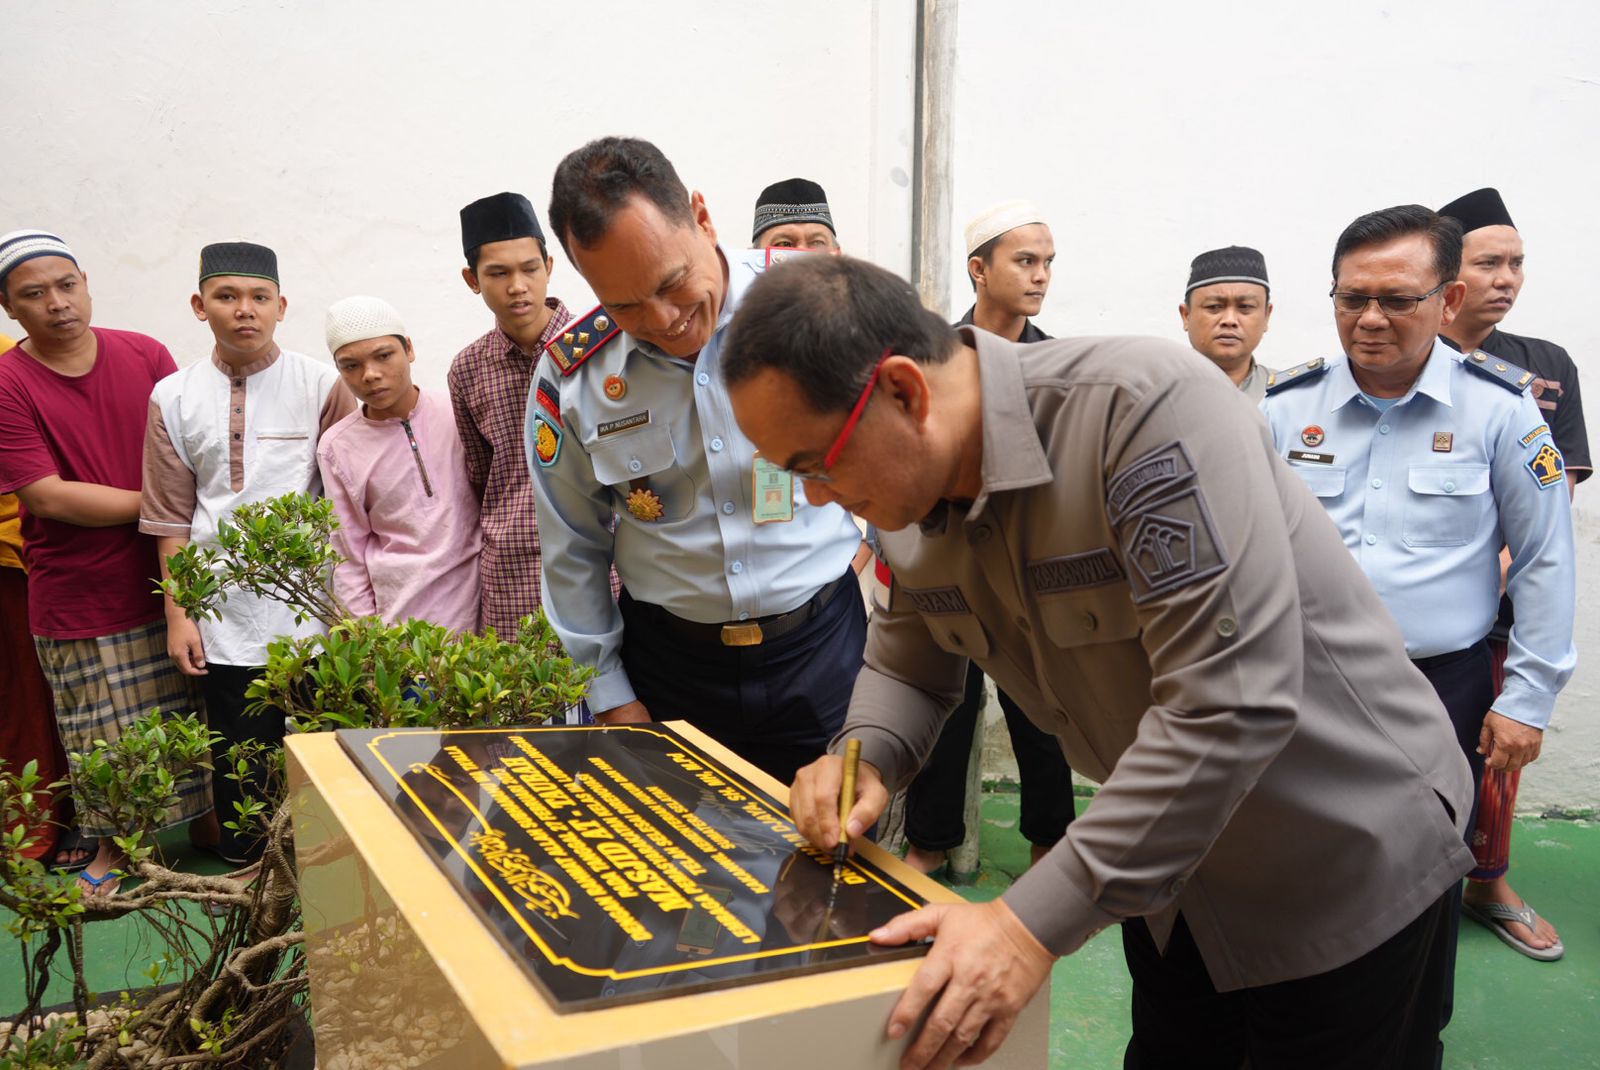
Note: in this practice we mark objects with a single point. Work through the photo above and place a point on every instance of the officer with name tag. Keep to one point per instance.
(740, 611)
(1424, 456)
(1101, 524)
(1430, 460)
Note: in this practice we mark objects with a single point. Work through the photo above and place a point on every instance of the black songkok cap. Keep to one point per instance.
(238, 258)
(1480, 208)
(1236, 263)
(501, 217)
(795, 200)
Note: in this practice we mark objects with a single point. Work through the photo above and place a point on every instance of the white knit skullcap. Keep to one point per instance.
(996, 220)
(355, 319)
(22, 245)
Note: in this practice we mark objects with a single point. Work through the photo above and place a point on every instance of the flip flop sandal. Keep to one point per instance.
(1494, 916)
(73, 842)
(96, 883)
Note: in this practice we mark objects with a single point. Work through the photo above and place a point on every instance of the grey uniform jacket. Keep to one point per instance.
(1150, 582)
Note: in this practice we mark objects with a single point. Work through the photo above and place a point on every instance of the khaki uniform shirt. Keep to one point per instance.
(1152, 584)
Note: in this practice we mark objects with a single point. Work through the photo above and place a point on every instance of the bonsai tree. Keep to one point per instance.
(228, 981)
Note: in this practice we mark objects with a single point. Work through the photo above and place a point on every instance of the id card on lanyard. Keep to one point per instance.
(771, 492)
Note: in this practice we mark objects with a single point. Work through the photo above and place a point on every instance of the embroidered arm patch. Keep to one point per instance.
(1546, 466)
(1147, 477)
(546, 439)
(548, 398)
(1533, 436)
(1168, 544)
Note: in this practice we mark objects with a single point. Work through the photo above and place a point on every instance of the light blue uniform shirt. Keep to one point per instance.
(705, 559)
(1426, 493)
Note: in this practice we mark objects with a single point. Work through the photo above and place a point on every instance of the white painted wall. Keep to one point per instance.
(348, 135)
(1150, 131)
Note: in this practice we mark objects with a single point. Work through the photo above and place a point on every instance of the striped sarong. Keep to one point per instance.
(1497, 800)
(102, 686)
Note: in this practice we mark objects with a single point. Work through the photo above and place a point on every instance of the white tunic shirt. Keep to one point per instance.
(220, 437)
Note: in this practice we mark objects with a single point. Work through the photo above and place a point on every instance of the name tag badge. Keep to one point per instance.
(771, 493)
(1310, 458)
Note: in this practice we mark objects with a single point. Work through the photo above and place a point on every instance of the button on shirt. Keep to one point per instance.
(1425, 493)
(704, 559)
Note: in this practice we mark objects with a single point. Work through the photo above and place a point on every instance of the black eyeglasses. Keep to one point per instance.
(1352, 304)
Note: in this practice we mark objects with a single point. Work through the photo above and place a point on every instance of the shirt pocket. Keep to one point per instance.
(286, 460)
(959, 633)
(1087, 618)
(1447, 503)
(646, 454)
(1325, 480)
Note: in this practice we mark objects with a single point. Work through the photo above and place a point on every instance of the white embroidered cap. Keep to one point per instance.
(997, 219)
(355, 319)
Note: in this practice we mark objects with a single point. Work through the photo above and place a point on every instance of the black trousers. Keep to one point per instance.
(935, 799)
(1464, 681)
(777, 704)
(1375, 1013)
(223, 687)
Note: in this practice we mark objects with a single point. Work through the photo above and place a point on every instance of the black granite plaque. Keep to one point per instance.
(620, 864)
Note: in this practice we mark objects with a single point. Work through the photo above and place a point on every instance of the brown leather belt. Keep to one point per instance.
(747, 632)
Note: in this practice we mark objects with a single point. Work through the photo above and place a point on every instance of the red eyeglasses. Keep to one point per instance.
(831, 458)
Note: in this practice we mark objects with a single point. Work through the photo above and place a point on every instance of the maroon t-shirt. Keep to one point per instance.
(83, 582)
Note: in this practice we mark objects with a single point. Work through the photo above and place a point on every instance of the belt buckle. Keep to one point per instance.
(741, 634)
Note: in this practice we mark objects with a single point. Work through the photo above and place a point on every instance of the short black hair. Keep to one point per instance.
(824, 321)
(593, 183)
(1376, 228)
(472, 257)
(984, 252)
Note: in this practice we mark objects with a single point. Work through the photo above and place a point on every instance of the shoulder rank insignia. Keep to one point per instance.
(1300, 373)
(1515, 379)
(581, 339)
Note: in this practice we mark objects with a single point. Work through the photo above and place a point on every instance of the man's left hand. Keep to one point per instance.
(983, 968)
(1506, 744)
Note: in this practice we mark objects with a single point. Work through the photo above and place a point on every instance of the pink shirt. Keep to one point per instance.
(86, 582)
(408, 516)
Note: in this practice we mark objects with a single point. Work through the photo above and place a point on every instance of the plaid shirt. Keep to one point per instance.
(489, 383)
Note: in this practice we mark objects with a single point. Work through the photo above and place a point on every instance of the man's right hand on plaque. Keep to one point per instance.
(814, 800)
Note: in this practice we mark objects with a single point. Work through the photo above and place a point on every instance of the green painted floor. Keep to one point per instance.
(1511, 1013)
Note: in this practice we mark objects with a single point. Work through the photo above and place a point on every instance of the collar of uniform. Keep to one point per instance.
(1013, 456)
(1434, 380)
(247, 370)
